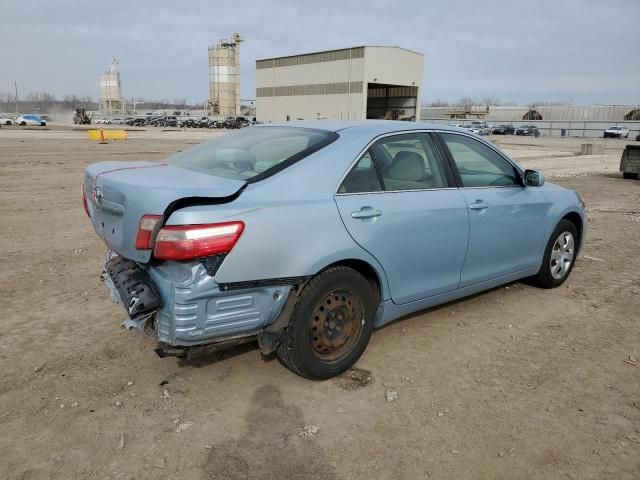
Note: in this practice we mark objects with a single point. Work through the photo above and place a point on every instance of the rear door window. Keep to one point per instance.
(409, 162)
(397, 163)
(362, 178)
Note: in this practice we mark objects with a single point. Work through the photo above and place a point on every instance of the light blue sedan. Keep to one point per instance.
(308, 235)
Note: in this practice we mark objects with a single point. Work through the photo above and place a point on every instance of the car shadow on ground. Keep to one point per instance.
(271, 446)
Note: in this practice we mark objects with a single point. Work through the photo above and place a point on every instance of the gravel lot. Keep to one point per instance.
(513, 383)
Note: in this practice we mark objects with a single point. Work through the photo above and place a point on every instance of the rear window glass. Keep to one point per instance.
(252, 153)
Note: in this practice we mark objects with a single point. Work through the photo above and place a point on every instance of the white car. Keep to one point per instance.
(31, 120)
(616, 132)
(6, 121)
(479, 128)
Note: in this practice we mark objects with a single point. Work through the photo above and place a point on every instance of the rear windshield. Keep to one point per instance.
(253, 153)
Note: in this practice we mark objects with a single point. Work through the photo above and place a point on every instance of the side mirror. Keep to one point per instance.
(533, 178)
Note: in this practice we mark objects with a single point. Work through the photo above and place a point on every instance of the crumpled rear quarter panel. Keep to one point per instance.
(196, 311)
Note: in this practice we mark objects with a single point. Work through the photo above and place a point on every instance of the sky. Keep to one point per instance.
(578, 51)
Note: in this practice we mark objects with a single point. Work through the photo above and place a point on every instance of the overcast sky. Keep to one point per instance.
(584, 51)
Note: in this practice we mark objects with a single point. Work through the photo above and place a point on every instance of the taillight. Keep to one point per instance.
(146, 227)
(84, 202)
(186, 242)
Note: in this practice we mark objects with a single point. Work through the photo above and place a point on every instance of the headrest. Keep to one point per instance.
(407, 166)
(237, 158)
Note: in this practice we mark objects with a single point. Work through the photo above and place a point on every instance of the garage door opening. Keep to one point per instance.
(391, 102)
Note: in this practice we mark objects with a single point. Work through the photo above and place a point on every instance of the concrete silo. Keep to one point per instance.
(224, 77)
(111, 99)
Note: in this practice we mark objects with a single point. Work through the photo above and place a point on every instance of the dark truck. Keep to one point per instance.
(630, 161)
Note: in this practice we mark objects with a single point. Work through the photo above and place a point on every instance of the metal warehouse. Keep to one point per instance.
(352, 84)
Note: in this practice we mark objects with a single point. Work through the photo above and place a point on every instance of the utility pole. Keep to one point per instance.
(15, 84)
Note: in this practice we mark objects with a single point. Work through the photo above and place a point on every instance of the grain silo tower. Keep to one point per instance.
(111, 99)
(224, 77)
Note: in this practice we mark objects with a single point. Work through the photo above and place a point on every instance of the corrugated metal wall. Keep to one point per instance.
(599, 113)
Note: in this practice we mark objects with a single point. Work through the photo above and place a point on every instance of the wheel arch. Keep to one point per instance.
(576, 219)
(365, 269)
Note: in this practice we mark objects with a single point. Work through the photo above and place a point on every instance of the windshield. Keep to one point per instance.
(253, 153)
(615, 128)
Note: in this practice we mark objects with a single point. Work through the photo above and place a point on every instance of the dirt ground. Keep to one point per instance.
(513, 383)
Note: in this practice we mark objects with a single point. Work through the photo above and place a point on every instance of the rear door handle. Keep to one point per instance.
(366, 212)
(479, 205)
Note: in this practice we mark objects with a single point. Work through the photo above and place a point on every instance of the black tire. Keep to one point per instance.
(24, 124)
(544, 277)
(297, 351)
(630, 176)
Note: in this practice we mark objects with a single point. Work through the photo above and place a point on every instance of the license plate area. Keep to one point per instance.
(134, 286)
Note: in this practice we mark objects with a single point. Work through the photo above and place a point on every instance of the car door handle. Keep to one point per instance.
(479, 205)
(366, 212)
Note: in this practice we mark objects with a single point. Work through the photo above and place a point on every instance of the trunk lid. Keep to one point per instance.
(120, 193)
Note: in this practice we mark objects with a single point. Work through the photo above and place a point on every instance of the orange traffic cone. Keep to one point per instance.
(102, 140)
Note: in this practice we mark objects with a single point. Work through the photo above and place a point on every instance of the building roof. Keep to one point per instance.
(339, 50)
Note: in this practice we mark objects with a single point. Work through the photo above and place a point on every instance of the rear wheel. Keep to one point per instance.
(330, 326)
(559, 256)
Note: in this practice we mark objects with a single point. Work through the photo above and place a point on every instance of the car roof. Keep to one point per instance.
(363, 126)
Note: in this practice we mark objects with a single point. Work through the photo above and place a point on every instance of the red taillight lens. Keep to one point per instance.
(186, 242)
(84, 202)
(146, 227)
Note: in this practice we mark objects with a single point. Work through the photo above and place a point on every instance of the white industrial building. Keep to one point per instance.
(351, 84)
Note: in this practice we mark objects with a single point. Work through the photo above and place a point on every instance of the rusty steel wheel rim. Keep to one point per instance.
(336, 325)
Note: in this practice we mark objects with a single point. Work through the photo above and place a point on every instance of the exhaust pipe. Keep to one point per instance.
(164, 352)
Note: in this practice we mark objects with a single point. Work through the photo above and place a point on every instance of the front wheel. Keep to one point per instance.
(559, 256)
(330, 325)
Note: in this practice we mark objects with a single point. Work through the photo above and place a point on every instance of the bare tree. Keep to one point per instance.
(466, 102)
(436, 103)
(491, 101)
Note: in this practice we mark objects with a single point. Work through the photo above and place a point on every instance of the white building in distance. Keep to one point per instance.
(355, 83)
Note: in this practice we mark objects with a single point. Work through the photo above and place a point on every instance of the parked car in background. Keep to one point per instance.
(137, 122)
(31, 120)
(638, 138)
(242, 122)
(630, 161)
(479, 128)
(6, 121)
(503, 130)
(528, 130)
(459, 125)
(291, 234)
(616, 132)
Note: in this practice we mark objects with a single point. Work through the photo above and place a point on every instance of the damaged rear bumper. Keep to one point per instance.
(192, 309)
